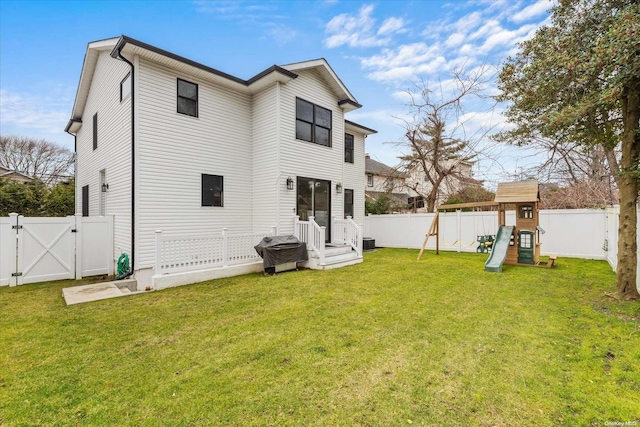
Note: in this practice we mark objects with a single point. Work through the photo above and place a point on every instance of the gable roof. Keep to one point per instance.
(347, 100)
(14, 174)
(127, 45)
(378, 168)
(518, 192)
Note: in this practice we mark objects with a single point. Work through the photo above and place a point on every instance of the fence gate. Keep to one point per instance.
(45, 249)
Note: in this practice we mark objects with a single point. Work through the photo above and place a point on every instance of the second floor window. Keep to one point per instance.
(187, 98)
(369, 180)
(313, 123)
(348, 148)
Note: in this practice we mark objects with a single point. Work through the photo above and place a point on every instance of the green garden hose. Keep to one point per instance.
(123, 267)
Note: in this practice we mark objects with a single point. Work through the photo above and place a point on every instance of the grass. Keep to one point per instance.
(391, 341)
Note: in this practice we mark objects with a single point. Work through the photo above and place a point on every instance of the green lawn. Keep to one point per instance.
(389, 342)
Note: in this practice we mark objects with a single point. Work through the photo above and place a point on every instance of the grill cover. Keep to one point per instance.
(278, 250)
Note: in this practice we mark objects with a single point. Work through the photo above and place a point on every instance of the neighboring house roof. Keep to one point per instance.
(380, 169)
(397, 198)
(14, 175)
(471, 181)
(128, 45)
(516, 192)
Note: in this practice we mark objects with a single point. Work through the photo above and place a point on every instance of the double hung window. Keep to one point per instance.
(187, 98)
(348, 148)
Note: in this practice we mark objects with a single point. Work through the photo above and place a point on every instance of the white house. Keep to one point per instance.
(417, 183)
(165, 143)
(382, 179)
(12, 175)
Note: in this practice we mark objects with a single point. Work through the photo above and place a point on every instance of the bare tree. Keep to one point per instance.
(438, 134)
(37, 158)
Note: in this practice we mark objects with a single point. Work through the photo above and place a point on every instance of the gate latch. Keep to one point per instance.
(16, 227)
(16, 274)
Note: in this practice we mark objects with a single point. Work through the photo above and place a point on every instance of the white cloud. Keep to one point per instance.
(455, 39)
(473, 33)
(469, 22)
(532, 11)
(282, 34)
(391, 25)
(408, 54)
(359, 30)
(43, 116)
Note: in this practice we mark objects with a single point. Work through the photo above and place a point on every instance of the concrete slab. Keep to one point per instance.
(98, 291)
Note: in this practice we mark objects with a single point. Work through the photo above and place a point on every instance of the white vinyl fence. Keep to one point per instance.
(576, 233)
(45, 249)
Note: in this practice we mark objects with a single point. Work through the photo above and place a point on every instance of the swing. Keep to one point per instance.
(444, 242)
(434, 228)
(485, 240)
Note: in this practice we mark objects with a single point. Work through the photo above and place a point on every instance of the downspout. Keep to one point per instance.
(75, 164)
(278, 172)
(133, 166)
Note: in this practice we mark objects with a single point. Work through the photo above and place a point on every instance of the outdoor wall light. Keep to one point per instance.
(105, 187)
(289, 183)
(339, 188)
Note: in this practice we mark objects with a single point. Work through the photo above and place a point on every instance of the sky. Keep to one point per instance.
(381, 50)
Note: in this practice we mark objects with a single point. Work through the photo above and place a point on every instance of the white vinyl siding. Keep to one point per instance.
(353, 176)
(176, 149)
(268, 184)
(301, 158)
(113, 154)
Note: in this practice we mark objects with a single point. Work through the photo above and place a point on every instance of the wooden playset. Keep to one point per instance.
(517, 244)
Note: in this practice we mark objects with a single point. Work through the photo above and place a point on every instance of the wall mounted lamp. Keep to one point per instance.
(105, 187)
(339, 188)
(289, 183)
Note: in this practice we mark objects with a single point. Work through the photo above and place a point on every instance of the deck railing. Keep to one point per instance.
(312, 234)
(174, 255)
(347, 232)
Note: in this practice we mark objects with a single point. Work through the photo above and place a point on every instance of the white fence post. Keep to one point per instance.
(274, 230)
(333, 230)
(158, 266)
(360, 237)
(459, 226)
(310, 232)
(111, 266)
(77, 218)
(323, 238)
(225, 251)
(13, 250)
(296, 232)
(20, 250)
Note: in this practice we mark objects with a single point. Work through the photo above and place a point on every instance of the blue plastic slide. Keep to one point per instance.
(499, 250)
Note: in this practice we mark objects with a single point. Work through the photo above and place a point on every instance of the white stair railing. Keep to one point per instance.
(347, 232)
(312, 234)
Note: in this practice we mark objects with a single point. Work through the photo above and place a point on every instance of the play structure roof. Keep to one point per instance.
(517, 192)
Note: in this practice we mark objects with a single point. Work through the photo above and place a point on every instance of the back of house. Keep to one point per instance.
(165, 143)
